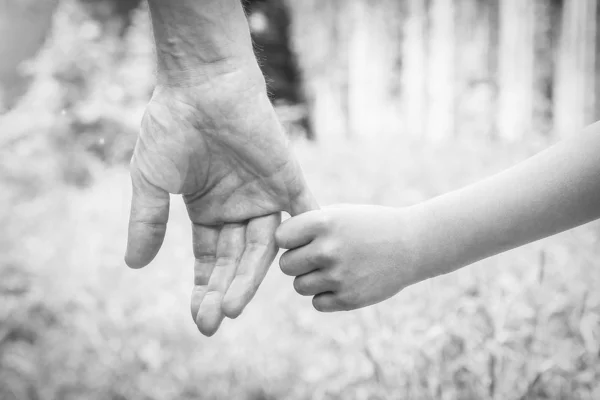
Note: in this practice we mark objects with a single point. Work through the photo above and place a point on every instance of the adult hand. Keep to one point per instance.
(217, 141)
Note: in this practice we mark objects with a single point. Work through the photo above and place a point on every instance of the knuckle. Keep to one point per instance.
(203, 258)
(212, 295)
(333, 278)
(257, 245)
(323, 220)
(345, 303)
(325, 253)
(321, 255)
(201, 277)
(225, 260)
(318, 259)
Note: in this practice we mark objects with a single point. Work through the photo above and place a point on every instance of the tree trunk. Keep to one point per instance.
(515, 70)
(575, 84)
(373, 51)
(597, 73)
(440, 117)
(414, 62)
(545, 50)
(475, 67)
(24, 26)
(347, 51)
(317, 40)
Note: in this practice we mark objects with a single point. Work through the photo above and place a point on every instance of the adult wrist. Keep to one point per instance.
(198, 38)
(242, 68)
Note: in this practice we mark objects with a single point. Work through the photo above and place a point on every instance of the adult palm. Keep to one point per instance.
(220, 145)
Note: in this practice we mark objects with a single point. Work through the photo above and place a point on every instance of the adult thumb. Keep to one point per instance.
(304, 202)
(147, 221)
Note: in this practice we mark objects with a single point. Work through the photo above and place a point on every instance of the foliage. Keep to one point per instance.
(524, 325)
(75, 323)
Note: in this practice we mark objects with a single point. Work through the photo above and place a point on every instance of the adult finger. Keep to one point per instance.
(313, 283)
(255, 262)
(204, 240)
(230, 247)
(300, 230)
(147, 221)
(304, 201)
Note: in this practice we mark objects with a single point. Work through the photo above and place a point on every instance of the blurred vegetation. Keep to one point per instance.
(75, 323)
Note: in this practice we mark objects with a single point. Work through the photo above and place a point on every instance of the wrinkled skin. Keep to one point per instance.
(219, 144)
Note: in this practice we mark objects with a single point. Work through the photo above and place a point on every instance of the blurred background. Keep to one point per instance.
(387, 102)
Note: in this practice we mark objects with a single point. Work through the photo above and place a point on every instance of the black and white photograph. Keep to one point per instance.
(299, 199)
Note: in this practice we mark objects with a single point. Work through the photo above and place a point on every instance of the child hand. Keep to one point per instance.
(348, 257)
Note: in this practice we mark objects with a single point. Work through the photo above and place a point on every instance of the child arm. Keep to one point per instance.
(555, 190)
(353, 257)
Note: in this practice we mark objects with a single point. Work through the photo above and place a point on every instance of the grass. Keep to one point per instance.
(76, 323)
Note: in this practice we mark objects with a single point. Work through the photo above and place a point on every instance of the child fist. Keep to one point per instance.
(348, 257)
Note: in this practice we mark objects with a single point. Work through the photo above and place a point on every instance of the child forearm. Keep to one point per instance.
(352, 257)
(553, 191)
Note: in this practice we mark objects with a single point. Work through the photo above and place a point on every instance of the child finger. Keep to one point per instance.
(326, 302)
(300, 230)
(300, 261)
(312, 283)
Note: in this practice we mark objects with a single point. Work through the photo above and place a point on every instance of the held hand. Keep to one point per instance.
(349, 257)
(220, 145)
